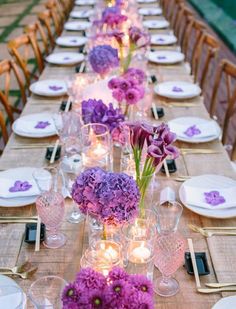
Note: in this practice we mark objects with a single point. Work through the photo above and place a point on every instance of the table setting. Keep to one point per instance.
(106, 222)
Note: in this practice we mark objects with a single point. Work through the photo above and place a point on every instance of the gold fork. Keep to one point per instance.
(216, 290)
(209, 233)
(17, 269)
(23, 275)
(197, 151)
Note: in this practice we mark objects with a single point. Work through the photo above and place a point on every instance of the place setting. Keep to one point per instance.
(65, 58)
(81, 14)
(156, 24)
(77, 25)
(85, 2)
(49, 88)
(165, 57)
(150, 11)
(194, 129)
(71, 41)
(163, 39)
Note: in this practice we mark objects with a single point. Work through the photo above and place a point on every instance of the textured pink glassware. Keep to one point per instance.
(51, 208)
(170, 248)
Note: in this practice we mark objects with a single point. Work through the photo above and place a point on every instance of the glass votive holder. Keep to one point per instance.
(138, 244)
(102, 256)
(96, 146)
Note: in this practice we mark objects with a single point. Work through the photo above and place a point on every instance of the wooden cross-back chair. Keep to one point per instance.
(38, 31)
(57, 13)
(3, 130)
(67, 6)
(181, 21)
(169, 7)
(203, 56)
(226, 72)
(174, 11)
(21, 49)
(10, 74)
(193, 32)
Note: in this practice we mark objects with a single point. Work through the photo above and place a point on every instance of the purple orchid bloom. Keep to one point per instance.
(177, 89)
(42, 124)
(191, 131)
(214, 198)
(55, 88)
(20, 186)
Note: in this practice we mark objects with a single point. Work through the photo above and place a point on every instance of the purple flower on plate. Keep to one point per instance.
(161, 57)
(20, 186)
(177, 89)
(55, 87)
(214, 198)
(66, 58)
(160, 40)
(42, 124)
(191, 131)
(73, 41)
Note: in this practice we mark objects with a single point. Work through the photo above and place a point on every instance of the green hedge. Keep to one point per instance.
(218, 19)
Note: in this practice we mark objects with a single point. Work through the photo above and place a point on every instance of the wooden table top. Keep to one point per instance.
(65, 261)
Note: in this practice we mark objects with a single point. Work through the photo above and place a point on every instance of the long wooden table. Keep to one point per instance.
(65, 261)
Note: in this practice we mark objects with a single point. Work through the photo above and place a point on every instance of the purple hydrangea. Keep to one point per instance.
(95, 111)
(103, 58)
(112, 17)
(119, 290)
(111, 197)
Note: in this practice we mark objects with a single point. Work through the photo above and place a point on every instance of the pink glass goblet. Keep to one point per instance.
(51, 207)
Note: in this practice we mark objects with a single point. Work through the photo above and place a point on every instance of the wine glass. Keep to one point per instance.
(170, 248)
(70, 168)
(46, 292)
(11, 297)
(51, 208)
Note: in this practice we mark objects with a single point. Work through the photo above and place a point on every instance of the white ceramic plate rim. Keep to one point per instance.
(49, 94)
(170, 39)
(198, 140)
(77, 58)
(62, 41)
(34, 135)
(178, 59)
(84, 2)
(18, 201)
(218, 214)
(155, 11)
(9, 281)
(77, 14)
(225, 302)
(179, 96)
(77, 25)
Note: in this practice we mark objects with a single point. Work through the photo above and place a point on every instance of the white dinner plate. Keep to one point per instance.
(150, 11)
(84, 2)
(183, 123)
(71, 41)
(81, 14)
(177, 90)
(156, 24)
(66, 58)
(35, 125)
(146, 1)
(165, 57)
(16, 173)
(77, 25)
(226, 303)
(209, 182)
(163, 39)
(6, 281)
(49, 88)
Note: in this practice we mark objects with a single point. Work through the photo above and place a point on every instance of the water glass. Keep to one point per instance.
(51, 208)
(96, 146)
(11, 297)
(46, 292)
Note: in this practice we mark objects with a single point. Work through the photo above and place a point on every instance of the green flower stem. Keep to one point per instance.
(129, 57)
(104, 232)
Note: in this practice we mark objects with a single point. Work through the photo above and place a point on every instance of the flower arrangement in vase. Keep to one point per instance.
(117, 290)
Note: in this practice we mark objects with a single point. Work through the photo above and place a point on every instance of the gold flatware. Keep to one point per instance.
(213, 227)
(17, 269)
(82, 67)
(28, 146)
(17, 221)
(194, 263)
(19, 218)
(24, 275)
(209, 233)
(198, 151)
(179, 104)
(216, 290)
(54, 152)
(38, 233)
(220, 285)
(181, 178)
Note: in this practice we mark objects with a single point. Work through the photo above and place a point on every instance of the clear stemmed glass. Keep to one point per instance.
(70, 169)
(170, 248)
(11, 297)
(46, 292)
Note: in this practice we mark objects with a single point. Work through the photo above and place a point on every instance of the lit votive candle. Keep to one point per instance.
(139, 253)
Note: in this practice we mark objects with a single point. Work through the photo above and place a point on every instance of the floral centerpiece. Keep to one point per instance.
(128, 87)
(111, 198)
(95, 111)
(158, 142)
(118, 290)
(112, 17)
(103, 58)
